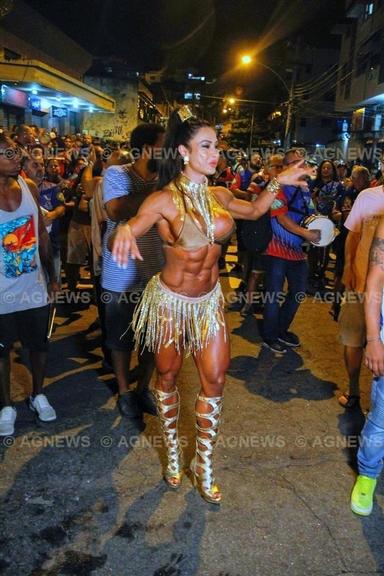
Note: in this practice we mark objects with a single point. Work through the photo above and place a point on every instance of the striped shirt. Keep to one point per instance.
(121, 181)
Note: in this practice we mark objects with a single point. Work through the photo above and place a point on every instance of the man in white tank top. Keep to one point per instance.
(26, 266)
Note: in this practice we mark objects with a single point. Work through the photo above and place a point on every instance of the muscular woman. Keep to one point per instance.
(182, 308)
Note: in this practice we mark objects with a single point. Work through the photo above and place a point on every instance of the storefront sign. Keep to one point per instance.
(14, 97)
(35, 103)
(59, 112)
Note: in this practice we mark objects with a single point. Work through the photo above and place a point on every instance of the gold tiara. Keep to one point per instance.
(185, 113)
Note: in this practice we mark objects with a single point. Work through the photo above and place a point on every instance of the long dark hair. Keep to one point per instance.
(335, 176)
(178, 132)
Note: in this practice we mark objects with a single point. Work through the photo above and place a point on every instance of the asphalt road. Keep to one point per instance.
(84, 495)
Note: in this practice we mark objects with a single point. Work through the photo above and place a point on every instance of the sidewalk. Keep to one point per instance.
(84, 495)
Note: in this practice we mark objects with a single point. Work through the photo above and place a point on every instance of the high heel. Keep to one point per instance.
(204, 480)
(173, 472)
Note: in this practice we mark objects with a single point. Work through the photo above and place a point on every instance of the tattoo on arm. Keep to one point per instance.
(376, 256)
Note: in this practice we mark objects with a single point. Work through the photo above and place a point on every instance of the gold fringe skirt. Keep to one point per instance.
(165, 318)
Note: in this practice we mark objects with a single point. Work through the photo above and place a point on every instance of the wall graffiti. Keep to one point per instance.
(116, 130)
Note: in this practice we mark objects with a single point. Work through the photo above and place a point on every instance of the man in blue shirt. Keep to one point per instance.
(286, 260)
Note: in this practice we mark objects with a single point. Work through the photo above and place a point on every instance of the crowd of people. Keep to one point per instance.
(154, 234)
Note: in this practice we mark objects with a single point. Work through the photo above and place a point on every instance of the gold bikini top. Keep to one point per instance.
(191, 199)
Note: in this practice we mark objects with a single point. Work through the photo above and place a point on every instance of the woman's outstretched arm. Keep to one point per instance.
(253, 210)
(122, 242)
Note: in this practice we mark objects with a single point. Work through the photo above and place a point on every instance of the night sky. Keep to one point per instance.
(204, 34)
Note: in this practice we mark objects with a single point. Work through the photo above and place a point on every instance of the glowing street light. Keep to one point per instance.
(232, 100)
(246, 59)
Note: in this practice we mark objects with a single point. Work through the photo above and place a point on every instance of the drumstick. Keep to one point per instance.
(51, 319)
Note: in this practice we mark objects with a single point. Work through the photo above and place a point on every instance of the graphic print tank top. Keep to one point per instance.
(22, 281)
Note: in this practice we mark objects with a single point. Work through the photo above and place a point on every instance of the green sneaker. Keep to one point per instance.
(362, 495)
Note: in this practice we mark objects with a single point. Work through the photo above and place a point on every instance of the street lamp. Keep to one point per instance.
(247, 59)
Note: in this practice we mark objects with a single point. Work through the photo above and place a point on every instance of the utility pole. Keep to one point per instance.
(251, 132)
(291, 101)
(290, 107)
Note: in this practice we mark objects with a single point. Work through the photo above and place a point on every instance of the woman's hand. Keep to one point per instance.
(124, 246)
(374, 357)
(294, 175)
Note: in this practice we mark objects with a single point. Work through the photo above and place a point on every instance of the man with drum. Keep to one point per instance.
(286, 260)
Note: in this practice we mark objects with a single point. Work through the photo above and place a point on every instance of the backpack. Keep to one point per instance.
(257, 234)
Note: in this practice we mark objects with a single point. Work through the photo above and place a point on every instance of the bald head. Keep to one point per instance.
(361, 178)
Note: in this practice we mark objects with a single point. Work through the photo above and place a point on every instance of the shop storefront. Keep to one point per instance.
(34, 93)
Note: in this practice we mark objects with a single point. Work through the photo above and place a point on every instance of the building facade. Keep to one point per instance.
(41, 74)
(134, 104)
(360, 89)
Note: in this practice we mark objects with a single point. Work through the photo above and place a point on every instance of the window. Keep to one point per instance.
(369, 9)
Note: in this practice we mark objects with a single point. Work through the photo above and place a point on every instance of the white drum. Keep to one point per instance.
(325, 225)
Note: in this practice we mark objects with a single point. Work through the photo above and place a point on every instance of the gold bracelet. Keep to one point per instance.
(273, 186)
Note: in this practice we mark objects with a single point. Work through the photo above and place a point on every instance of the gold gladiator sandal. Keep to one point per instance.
(174, 471)
(206, 438)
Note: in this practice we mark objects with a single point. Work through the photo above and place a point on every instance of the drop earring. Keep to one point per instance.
(186, 159)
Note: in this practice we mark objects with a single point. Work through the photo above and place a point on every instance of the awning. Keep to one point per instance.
(58, 88)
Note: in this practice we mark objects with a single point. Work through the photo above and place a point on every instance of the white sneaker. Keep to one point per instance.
(7, 421)
(43, 408)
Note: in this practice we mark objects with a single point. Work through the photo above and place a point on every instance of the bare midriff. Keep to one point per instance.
(191, 273)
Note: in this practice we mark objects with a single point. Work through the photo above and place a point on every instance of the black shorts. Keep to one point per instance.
(256, 262)
(28, 326)
(119, 309)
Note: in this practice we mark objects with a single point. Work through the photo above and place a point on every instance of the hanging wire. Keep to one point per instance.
(307, 83)
(319, 84)
(328, 89)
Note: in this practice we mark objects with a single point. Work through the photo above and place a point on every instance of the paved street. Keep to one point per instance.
(84, 495)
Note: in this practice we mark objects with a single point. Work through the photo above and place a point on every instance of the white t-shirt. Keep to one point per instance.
(369, 202)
